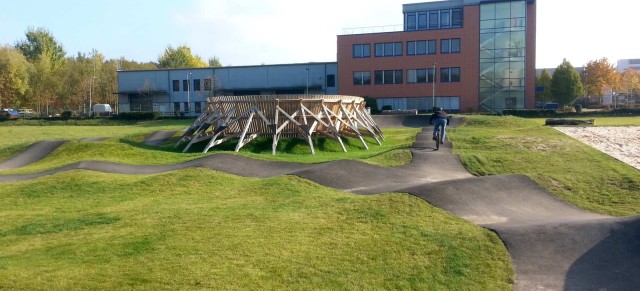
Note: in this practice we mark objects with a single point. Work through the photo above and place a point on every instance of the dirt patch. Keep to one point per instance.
(620, 142)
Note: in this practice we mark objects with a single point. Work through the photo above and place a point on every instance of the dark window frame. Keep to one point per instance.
(426, 73)
(359, 78)
(457, 18)
(176, 85)
(450, 75)
(361, 50)
(425, 24)
(447, 46)
(185, 85)
(411, 21)
(388, 49)
(389, 77)
(434, 19)
(331, 80)
(413, 47)
(196, 85)
(445, 18)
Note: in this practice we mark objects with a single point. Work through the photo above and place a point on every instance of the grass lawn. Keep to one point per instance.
(124, 145)
(197, 228)
(577, 173)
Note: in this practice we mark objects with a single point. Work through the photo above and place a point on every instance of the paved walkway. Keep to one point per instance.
(553, 245)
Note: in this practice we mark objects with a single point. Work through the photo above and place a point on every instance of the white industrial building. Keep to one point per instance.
(175, 91)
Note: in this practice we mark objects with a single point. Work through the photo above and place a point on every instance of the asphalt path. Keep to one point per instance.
(553, 245)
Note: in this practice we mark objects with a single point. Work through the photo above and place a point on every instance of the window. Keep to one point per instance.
(361, 50)
(421, 47)
(456, 18)
(422, 20)
(186, 107)
(361, 78)
(411, 21)
(449, 75)
(445, 18)
(207, 84)
(433, 19)
(388, 49)
(450, 45)
(185, 85)
(176, 85)
(436, 19)
(198, 107)
(196, 84)
(420, 76)
(331, 80)
(176, 105)
(388, 77)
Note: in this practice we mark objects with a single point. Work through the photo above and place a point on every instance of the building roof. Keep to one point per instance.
(233, 67)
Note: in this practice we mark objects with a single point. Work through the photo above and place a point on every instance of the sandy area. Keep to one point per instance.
(620, 142)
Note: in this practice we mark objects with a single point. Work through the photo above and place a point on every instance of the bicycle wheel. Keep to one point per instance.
(438, 135)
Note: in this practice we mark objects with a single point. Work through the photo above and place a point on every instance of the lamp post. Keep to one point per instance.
(90, 93)
(93, 77)
(433, 88)
(188, 109)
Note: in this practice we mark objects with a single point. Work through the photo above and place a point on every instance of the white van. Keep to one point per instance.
(101, 110)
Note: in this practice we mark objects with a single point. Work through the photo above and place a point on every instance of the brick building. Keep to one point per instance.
(470, 55)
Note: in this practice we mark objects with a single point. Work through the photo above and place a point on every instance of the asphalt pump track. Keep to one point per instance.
(553, 245)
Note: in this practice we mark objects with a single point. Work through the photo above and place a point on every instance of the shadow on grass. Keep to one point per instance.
(263, 145)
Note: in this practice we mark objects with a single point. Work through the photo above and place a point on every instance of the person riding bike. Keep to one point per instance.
(440, 119)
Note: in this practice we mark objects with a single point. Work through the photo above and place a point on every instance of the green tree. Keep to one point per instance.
(14, 77)
(566, 86)
(40, 44)
(48, 60)
(215, 62)
(544, 81)
(599, 75)
(123, 64)
(180, 57)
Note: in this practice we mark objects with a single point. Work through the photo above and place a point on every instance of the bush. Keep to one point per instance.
(66, 114)
(553, 113)
(373, 104)
(530, 112)
(387, 107)
(578, 108)
(138, 115)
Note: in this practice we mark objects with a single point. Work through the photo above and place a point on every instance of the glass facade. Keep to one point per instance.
(502, 55)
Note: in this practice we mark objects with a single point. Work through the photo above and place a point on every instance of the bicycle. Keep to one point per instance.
(438, 138)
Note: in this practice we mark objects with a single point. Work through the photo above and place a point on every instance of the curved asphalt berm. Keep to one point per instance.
(31, 154)
(159, 137)
(553, 245)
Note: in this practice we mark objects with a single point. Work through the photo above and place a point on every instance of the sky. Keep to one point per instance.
(257, 32)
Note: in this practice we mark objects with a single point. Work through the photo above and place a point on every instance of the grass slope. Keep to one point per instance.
(577, 173)
(198, 228)
(125, 146)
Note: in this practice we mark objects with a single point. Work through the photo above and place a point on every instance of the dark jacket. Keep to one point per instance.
(439, 115)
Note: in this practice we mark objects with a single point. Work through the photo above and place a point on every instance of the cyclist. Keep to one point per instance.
(440, 119)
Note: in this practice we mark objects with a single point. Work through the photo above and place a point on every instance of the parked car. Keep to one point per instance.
(7, 113)
(26, 113)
